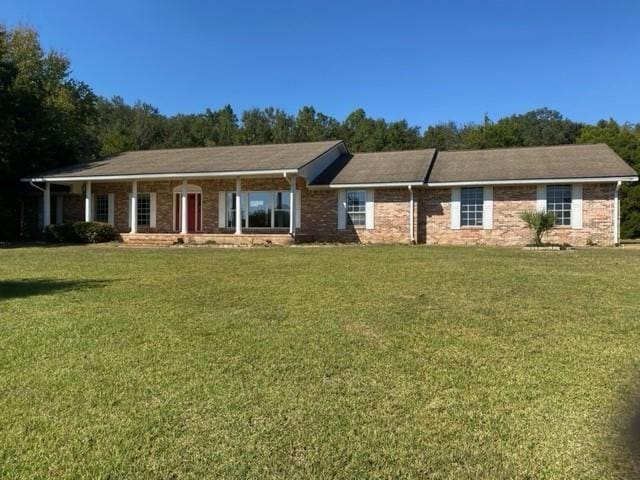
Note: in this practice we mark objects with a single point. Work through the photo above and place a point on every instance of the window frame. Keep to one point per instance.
(245, 199)
(139, 205)
(361, 211)
(474, 217)
(564, 218)
(96, 201)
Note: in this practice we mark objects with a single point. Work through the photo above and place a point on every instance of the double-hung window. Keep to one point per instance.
(559, 202)
(281, 210)
(268, 209)
(101, 208)
(144, 209)
(356, 208)
(471, 206)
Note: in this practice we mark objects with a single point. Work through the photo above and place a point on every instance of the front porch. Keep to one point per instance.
(223, 239)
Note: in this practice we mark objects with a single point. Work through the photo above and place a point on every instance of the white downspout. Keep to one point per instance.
(411, 227)
(616, 215)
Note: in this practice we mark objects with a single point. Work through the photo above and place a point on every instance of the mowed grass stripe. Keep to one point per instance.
(329, 362)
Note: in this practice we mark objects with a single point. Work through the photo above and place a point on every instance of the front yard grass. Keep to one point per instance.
(330, 362)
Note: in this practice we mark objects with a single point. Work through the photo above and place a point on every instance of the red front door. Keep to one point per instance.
(194, 204)
(191, 212)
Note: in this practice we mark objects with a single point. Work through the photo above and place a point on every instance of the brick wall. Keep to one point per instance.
(319, 217)
(319, 213)
(164, 191)
(508, 201)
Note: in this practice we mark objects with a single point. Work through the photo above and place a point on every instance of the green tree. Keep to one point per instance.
(47, 118)
(625, 141)
(224, 125)
(256, 127)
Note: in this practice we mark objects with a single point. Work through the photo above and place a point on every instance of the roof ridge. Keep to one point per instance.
(225, 146)
(502, 149)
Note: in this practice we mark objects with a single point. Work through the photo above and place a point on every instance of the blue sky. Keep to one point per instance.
(424, 61)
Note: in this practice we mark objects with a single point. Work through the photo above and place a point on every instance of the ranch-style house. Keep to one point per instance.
(320, 191)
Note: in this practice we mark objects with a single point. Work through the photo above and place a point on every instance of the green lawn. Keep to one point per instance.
(329, 362)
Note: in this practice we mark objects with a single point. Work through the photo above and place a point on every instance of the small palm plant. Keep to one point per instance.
(539, 222)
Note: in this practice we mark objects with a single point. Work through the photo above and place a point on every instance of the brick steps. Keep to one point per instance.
(168, 239)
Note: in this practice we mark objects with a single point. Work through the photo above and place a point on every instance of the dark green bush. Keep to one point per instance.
(94, 232)
(63, 233)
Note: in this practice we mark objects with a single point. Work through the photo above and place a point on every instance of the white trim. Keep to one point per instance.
(152, 209)
(222, 209)
(531, 181)
(487, 207)
(133, 207)
(370, 209)
(238, 219)
(293, 224)
(298, 208)
(315, 167)
(411, 228)
(541, 198)
(146, 176)
(455, 208)
(616, 215)
(88, 204)
(342, 209)
(576, 206)
(360, 186)
(184, 208)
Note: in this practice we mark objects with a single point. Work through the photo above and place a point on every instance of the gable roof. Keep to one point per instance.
(404, 167)
(246, 158)
(529, 164)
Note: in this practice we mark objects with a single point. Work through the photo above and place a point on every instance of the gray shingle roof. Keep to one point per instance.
(566, 161)
(200, 160)
(410, 166)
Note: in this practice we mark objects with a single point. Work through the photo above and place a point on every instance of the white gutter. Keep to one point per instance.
(616, 215)
(35, 186)
(367, 185)
(533, 181)
(154, 176)
(411, 234)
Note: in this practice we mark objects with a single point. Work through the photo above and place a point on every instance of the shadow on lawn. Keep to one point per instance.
(27, 287)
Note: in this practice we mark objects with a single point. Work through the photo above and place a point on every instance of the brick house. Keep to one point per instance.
(320, 191)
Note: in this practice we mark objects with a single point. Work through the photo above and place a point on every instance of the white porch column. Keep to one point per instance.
(46, 205)
(87, 202)
(411, 227)
(292, 206)
(184, 213)
(134, 207)
(616, 215)
(238, 206)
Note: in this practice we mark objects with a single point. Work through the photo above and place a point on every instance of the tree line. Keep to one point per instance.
(48, 119)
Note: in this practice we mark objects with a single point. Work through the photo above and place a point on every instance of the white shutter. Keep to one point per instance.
(455, 208)
(152, 201)
(92, 215)
(342, 209)
(222, 209)
(111, 208)
(541, 199)
(576, 205)
(298, 208)
(370, 208)
(487, 208)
